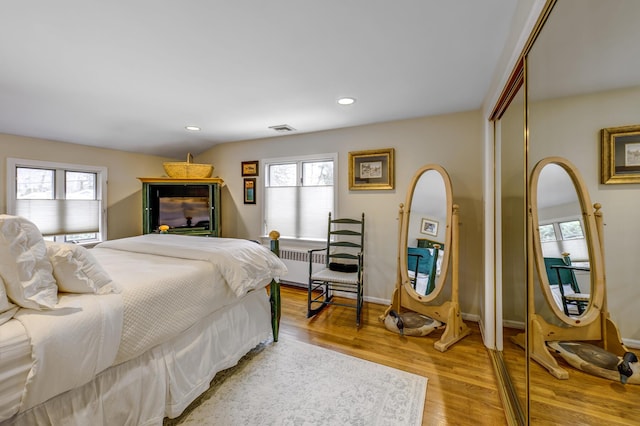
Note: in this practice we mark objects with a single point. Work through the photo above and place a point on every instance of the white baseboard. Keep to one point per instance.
(518, 325)
(631, 343)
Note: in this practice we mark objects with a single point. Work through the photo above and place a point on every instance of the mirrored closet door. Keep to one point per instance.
(581, 77)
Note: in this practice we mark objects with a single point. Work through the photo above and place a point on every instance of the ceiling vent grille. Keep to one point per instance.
(282, 128)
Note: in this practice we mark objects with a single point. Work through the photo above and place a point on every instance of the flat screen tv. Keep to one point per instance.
(184, 212)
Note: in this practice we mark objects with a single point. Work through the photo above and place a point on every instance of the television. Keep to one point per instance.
(184, 208)
(184, 212)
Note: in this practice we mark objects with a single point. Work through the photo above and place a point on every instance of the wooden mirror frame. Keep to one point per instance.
(591, 237)
(595, 325)
(404, 297)
(405, 213)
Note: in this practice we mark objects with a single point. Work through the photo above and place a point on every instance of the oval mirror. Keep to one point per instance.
(566, 246)
(425, 240)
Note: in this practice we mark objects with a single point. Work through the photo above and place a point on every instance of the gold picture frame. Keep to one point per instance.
(372, 169)
(620, 154)
(250, 168)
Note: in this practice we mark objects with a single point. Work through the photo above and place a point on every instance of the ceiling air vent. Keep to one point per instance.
(282, 128)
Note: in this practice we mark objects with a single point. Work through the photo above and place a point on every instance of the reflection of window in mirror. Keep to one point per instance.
(571, 230)
(564, 236)
(547, 233)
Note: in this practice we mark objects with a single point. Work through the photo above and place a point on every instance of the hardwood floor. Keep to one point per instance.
(582, 399)
(461, 389)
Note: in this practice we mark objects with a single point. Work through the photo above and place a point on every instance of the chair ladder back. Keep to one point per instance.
(343, 238)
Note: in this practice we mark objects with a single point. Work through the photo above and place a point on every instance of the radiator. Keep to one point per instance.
(297, 261)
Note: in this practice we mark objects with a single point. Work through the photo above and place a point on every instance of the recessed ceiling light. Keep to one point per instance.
(193, 128)
(346, 101)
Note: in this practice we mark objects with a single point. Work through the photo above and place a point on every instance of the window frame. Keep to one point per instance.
(101, 187)
(298, 159)
(560, 240)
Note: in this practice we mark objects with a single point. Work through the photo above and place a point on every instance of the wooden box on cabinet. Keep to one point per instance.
(187, 206)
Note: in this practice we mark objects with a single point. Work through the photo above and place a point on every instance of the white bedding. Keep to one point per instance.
(15, 363)
(181, 281)
(163, 381)
(245, 265)
(161, 296)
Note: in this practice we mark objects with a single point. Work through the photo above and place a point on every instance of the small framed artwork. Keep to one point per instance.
(250, 168)
(250, 190)
(429, 227)
(373, 169)
(620, 154)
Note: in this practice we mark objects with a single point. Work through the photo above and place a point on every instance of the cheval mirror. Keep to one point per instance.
(566, 243)
(428, 230)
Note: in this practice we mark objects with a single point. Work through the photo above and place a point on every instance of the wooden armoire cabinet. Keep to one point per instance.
(186, 206)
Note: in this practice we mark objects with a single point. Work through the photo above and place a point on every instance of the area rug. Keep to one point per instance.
(295, 383)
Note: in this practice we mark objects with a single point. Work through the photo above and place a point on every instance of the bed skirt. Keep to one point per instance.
(163, 381)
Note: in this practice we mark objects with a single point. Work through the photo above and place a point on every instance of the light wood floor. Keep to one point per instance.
(582, 399)
(461, 389)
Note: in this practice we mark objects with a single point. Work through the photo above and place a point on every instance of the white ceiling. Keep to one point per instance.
(131, 75)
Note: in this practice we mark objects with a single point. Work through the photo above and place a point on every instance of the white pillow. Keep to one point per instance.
(7, 309)
(77, 271)
(24, 264)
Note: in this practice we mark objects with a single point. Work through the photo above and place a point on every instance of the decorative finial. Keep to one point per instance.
(274, 235)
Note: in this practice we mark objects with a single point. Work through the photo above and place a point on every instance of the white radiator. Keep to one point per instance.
(297, 261)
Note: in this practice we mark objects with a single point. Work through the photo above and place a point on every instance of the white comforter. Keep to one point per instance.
(71, 344)
(245, 265)
(168, 283)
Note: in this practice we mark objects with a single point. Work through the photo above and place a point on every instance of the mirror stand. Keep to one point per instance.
(447, 313)
(601, 330)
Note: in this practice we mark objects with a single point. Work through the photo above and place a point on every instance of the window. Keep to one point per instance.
(299, 194)
(65, 201)
(564, 236)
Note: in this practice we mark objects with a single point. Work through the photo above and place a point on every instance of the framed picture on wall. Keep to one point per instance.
(250, 168)
(250, 190)
(429, 227)
(620, 154)
(372, 169)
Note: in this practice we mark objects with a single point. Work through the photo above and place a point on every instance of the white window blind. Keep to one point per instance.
(65, 201)
(59, 217)
(299, 194)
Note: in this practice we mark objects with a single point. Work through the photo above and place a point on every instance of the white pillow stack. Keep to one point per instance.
(24, 264)
(33, 271)
(77, 271)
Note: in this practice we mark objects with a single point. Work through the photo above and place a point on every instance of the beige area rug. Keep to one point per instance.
(295, 383)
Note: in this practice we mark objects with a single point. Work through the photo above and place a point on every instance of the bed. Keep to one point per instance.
(130, 331)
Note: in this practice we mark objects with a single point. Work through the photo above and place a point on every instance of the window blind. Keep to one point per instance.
(296, 211)
(58, 217)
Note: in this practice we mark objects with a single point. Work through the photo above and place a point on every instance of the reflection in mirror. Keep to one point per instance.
(566, 282)
(428, 218)
(510, 246)
(429, 230)
(582, 76)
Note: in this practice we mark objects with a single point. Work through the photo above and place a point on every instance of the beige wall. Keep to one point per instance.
(570, 128)
(124, 199)
(453, 141)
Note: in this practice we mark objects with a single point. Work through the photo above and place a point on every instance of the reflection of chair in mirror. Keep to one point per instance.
(422, 265)
(343, 270)
(568, 295)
